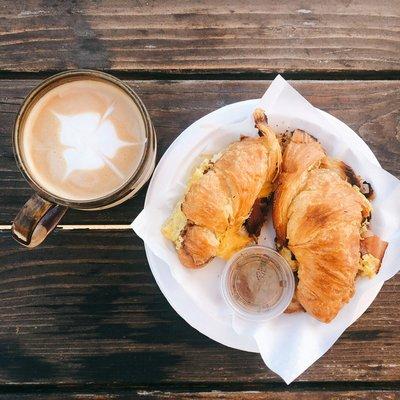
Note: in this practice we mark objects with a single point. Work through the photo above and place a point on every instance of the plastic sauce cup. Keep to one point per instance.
(257, 283)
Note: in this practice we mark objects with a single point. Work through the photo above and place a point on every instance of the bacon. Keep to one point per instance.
(373, 245)
(257, 217)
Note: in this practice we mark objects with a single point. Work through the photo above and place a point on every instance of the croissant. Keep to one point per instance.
(319, 215)
(210, 220)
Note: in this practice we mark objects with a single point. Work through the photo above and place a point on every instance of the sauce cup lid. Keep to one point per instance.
(257, 283)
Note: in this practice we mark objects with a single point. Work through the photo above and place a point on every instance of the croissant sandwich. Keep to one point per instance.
(222, 208)
(321, 214)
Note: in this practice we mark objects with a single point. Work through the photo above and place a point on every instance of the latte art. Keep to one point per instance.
(83, 139)
(91, 141)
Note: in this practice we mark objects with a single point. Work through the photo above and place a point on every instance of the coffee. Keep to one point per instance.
(83, 139)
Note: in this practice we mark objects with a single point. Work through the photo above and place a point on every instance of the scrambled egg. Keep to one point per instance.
(368, 266)
(287, 255)
(177, 220)
(174, 225)
(358, 191)
(199, 171)
(364, 228)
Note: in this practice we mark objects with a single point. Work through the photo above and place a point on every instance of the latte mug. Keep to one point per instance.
(84, 140)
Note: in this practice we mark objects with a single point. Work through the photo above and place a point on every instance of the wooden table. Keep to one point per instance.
(81, 316)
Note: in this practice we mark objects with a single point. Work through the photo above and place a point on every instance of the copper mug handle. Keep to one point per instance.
(36, 219)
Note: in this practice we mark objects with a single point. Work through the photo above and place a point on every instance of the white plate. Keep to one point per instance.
(218, 330)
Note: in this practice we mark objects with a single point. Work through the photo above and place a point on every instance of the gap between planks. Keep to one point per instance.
(225, 74)
(194, 387)
(78, 227)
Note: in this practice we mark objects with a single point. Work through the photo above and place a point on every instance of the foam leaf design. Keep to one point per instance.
(91, 141)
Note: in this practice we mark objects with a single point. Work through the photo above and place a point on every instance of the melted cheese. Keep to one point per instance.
(266, 190)
(233, 240)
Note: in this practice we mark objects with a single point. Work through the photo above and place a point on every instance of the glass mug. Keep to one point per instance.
(44, 210)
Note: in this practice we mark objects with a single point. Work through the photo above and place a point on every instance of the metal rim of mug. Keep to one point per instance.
(132, 185)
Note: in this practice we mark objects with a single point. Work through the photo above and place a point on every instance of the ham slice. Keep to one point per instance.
(373, 245)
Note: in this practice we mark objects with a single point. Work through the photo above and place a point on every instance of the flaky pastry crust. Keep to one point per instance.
(217, 205)
(318, 215)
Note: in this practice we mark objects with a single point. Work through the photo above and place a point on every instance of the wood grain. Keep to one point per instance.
(81, 317)
(256, 395)
(202, 36)
(215, 394)
(85, 308)
(371, 108)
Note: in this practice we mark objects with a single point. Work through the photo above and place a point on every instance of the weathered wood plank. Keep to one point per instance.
(85, 308)
(171, 36)
(370, 108)
(215, 394)
(282, 395)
